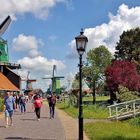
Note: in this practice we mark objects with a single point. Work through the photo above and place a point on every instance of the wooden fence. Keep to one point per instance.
(124, 110)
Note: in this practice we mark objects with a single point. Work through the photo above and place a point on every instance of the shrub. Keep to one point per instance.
(125, 95)
(1, 105)
(135, 122)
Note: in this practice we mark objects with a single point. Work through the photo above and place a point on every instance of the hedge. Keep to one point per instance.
(1, 105)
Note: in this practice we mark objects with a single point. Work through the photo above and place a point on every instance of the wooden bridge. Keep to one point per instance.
(124, 110)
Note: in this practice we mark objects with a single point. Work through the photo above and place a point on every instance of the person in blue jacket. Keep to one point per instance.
(9, 105)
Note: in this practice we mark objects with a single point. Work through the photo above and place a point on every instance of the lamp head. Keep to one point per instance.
(81, 42)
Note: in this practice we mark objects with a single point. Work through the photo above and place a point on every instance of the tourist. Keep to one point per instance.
(9, 105)
(37, 105)
(22, 103)
(52, 101)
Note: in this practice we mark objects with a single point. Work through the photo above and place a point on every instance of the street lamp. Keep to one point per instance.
(81, 42)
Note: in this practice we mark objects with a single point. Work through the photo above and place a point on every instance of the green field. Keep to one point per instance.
(98, 98)
(89, 112)
(105, 130)
(112, 131)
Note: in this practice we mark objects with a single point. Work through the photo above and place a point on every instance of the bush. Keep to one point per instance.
(1, 105)
(125, 95)
(135, 122)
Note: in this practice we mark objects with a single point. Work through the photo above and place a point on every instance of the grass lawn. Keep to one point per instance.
(112, 131)
(90, 111)
(94, 111)
(72, 111)
(128, 130)
(98, 98)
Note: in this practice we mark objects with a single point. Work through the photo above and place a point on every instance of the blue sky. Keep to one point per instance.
(42, 32)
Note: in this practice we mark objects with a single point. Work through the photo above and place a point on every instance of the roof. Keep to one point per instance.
(6, 84)
(36, 91)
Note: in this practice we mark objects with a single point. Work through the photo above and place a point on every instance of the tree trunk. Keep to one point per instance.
(93, 92)
(113, 96)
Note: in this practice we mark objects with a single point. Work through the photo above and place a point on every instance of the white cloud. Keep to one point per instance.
(40, 8)
(27, 44)
(40, 64)
(39, 67)
(108, 33)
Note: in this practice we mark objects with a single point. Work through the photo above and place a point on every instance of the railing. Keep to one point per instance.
(10, 65)
(124, 110)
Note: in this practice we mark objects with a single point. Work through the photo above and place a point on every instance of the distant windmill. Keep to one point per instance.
(55, 81)
(28, 83)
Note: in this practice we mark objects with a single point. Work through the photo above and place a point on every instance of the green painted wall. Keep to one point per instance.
(3, 51)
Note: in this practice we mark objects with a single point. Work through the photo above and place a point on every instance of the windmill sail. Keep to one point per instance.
(54, 70)
(4, 25)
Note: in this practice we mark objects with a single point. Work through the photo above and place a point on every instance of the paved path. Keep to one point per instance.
(26, 126)
(70, 126)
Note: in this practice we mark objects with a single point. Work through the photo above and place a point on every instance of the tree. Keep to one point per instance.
(75, 83)
(128, 47)
(98, 59)
(75, 90)
(124, 73)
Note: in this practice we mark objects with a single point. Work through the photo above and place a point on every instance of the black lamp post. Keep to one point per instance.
(81, 42)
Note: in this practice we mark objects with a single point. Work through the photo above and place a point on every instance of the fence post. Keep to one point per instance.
(116, 113)
(110, 111)
(134, 109)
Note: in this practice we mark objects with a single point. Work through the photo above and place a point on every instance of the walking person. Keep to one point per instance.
(22, 103)
(37, 104)
(9, 105)
(52, 102)
(17, 101)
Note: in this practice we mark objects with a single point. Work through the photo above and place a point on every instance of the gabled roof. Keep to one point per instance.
(6, 84)
(35, 91)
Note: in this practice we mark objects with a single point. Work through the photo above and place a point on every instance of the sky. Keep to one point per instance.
(42, 32)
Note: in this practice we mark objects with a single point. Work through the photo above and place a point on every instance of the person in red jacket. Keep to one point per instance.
(37, 104)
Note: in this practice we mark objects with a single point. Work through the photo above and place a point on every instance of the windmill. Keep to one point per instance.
(3, 44)
(4, 56)
(28, 83)
(55, 81)
(5, 66)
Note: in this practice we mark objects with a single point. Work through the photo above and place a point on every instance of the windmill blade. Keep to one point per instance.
(31, 80)
(4, 25)
(48, 78)
(54, 70)
(59, 77)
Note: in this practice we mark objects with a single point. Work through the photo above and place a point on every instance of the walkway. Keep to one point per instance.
(70, 126)
(26, 126)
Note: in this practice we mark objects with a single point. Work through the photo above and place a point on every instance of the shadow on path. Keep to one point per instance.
(2, 126)
(21, 138)
(28, 119)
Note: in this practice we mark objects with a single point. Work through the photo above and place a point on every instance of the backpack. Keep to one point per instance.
(22, 100)
(53, 99)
